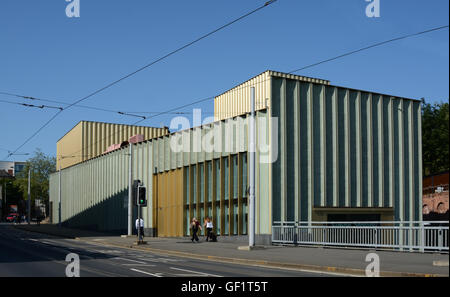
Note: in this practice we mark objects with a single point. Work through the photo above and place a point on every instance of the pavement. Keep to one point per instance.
(307, 261)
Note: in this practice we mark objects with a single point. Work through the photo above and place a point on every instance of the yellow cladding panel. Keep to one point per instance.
(168, 203)
(236, 101)
(88, 140)
(69, 145)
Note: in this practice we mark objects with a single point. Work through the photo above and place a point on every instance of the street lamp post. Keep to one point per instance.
(6, 210)
(130, 192)
(29, 196)
(59, 194)
(252, 137)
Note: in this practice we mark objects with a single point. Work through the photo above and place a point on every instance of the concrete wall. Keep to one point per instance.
(345, 149)
(95, 192)
(88, 140)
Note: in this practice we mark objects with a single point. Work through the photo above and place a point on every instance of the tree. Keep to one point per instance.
(435, 137)
(41, 167)
(13, 196)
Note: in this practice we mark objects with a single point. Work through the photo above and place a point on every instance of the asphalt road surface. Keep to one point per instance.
(27, 254)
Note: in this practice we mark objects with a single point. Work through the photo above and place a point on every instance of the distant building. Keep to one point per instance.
(435, 194)
(11, 167)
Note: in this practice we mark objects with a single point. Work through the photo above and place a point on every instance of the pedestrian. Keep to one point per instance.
(140, 228)
(209, 227)
(195, 228)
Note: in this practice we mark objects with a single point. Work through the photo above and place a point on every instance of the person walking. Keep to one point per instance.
(140, 228)
(195, 228)
(209, 227)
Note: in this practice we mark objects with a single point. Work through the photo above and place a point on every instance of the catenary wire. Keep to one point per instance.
(304, 67)
(149, 65)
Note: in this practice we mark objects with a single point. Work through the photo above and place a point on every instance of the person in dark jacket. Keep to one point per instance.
(195, 228)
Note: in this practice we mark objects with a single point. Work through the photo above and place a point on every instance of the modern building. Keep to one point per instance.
(12, 167)
(324, 153)
(88, 140)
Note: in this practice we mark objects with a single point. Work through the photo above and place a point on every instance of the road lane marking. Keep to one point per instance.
(197, 272)
(162, 260)
(139, 262)
(109, 252)
(145, 272)
(149, 265)
(188, 275)
(158, 252)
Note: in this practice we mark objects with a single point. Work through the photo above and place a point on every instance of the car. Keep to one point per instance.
(12, 217)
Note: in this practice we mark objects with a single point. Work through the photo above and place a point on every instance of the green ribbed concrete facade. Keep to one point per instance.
(345, 150)
(335, 150)
(94, 194)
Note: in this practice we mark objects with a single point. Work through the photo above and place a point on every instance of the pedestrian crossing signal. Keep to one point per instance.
(142, 196)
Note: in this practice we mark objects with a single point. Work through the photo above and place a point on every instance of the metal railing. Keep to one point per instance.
(402, 236)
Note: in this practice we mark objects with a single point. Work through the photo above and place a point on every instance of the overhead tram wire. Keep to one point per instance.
(31, 105)
(129, 113)
(346, 54)
(304, 67)
(125, 113)
(140, 121)
(369, 47)
(268, 3)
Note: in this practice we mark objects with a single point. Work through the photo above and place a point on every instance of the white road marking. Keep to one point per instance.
(188, 275)
(148, 273)
(162, 260)
(46, 242)
(109, 252)
(139, 262)
(197, 272)
(149, 265)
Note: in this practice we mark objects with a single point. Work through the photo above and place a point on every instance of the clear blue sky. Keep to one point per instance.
(45, 54)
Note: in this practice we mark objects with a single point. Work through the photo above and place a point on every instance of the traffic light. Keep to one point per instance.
(142, 196)
(134, 190)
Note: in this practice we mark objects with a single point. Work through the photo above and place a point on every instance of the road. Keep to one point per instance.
(27, 254)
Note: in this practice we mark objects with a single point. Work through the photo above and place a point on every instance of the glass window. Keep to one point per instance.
(235, 176)
(187, 185)
(188, 220)
(245, 217)
(218, 183)
(217, 221)
(244, 175)
(18, 168)
(226, 180)
(202, 183)
(194, 184)
(235, 219)
(201, 218)
(209, 183)
(227, 218)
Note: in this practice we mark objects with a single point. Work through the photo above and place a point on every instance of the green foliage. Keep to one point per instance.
(41, 167)
(435, 137)
(13, 196)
